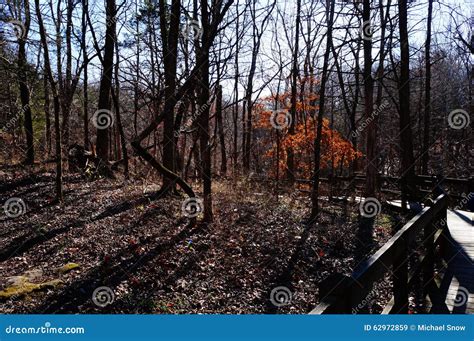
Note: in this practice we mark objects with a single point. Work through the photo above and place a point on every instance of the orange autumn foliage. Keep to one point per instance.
(335, 149)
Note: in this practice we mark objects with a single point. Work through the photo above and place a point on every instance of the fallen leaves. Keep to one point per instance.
(157, 265)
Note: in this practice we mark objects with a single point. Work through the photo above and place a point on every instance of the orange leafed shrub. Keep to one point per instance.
(272, 126)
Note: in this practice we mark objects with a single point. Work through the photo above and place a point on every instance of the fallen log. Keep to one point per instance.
(83, 161)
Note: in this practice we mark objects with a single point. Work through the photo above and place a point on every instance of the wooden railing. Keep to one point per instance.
(347, 294)
(421, 179)
(390, 184)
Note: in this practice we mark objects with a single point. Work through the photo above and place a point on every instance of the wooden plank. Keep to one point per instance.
(392, 253)
(459, 281)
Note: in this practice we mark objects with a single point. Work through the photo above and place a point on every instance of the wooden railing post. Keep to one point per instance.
(400, 280)
(428, 268)
(443, 224)
(337, 288)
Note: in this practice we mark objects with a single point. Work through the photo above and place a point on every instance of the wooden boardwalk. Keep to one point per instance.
(456, 288)
(446, 276)
(454, 292)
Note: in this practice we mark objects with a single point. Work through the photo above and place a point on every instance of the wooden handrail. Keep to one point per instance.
(422, 178)
(393, 255)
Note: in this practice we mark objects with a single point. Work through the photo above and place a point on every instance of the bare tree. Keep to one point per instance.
(427, 111)
(371, 164)
(290, 161)
(406, 139)
(317, 141)
(23, 84)
(106, 80)
(56, 103)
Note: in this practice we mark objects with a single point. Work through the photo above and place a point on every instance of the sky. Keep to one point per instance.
(281, 26)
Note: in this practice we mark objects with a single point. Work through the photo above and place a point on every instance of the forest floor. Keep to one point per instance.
(119, 234)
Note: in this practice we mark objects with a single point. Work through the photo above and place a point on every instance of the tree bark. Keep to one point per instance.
(406, 138)
(106, 80)
(220, 125)
(427, 112)
(24, 89)
(52, 82)
(319, 128)
(85, 108)
(169, 37)
(371, 162)
(47, 112)
(290, 161)
(116, 98)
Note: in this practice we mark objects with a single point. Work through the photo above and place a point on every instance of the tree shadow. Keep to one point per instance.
(143, 293)
(284, 278)
(73, 297)
(364, 238)
(460, 267)
(463, 217)
(19, 245)
(26, 181)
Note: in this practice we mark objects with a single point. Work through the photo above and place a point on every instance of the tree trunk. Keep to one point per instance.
(85, 109)
(406, 139)
(67, 86)
(24, 90)
(427, 113)
(47, 112)
(290, 161)
(116, 98)
(106, 80)
(319, 128)
(203, 98)
(169, 37)
(57, 129)
(221, 130)
(247, 126)
(236, 96)
(371, 162)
